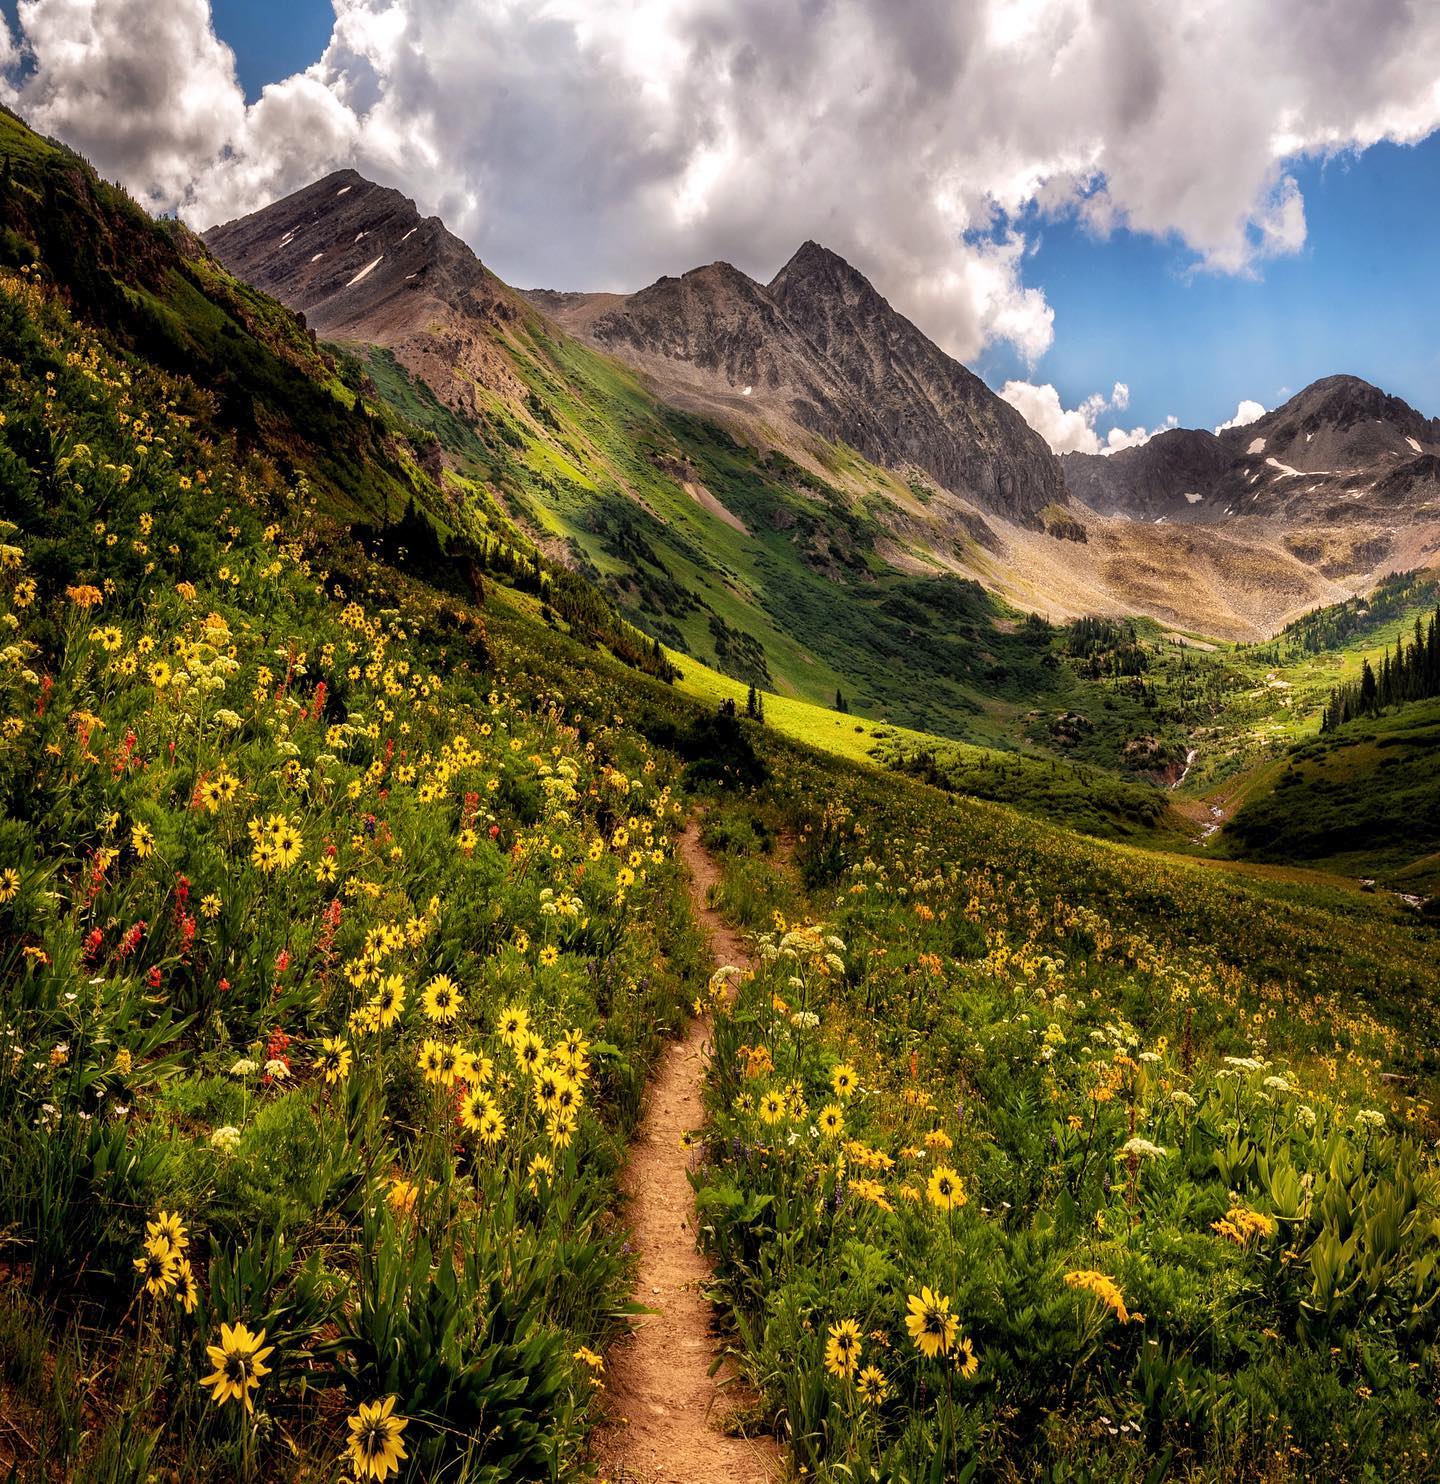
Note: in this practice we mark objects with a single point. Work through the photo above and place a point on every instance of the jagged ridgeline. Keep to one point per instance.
(781, 559)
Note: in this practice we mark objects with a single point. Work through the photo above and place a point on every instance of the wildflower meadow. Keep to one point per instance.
(343, 923)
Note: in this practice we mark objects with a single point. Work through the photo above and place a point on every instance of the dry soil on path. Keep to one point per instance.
(665, 1412)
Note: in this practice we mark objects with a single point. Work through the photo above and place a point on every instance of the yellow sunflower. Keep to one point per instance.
(530, 1052)
(442, 999)
(945, 1190)
(239, 1361)
(167, 1227)
(375, 1447)
(334, 1059)
(842, 1349)
(931, 1324)
(491, 1129)
(514, 1026)
(158, 1266)
(187, 1290)
(288, 845)
(389, 1001)
(429, 1060)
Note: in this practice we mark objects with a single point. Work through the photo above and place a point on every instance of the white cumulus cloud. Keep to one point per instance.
(1120, 438)
(1072, 429)
(1246, 412)
(600, 143)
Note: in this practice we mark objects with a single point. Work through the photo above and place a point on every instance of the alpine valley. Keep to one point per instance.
(482, 768)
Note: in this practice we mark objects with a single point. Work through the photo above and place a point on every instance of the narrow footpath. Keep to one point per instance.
(666, 1413)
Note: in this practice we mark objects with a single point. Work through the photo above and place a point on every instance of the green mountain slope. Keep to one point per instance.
(756, 565)
(1364, 799)
(166, 300)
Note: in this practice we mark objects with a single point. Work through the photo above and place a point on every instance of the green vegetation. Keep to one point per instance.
(165, 301)
(1157, 1141)
(1282, 687)
(1331, 628)
(285, 848)
(340, 927)
(1411, 674)
(1363, 799)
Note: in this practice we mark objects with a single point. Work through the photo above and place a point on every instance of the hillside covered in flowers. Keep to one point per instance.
(334, 956)
(341, 925)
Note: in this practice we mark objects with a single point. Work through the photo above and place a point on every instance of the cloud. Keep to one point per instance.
(1072, 429)
(1065, 430)
(1121, 438)
(1246, 412)
(149, 98)
(600, 143)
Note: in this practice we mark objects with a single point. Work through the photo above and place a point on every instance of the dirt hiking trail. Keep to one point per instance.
(665, 1412)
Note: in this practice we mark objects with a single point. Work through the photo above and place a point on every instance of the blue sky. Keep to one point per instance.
(1360, 295)
(272, 38)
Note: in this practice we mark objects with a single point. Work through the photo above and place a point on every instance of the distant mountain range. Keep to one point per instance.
(866, 447)
(815, 352)
(1339, 452)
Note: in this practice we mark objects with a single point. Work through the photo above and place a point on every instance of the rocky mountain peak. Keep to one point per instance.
(715, 320)
(1340, 452)
(821, 348)
(362, 264)
(1334, 406)
(813, 263)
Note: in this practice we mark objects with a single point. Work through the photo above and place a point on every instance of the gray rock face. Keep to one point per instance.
(721, 322)
(361, 263)
(342, 250)
(919, 405)
(1155, 480)
(1340, 452)
(821, 348)
(1336, 423)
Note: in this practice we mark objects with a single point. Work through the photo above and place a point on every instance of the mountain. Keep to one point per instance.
(781, 479)
(932, 412)
(159, 292)
(362, 265)
(1339, 453)
(790, 561)
(1336, 423)
(818, 348)
(1166, 477)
